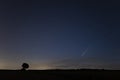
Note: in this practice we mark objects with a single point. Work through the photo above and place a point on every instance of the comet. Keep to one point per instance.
(84, 52)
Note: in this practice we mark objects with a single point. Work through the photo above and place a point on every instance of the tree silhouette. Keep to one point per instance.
(25, 66)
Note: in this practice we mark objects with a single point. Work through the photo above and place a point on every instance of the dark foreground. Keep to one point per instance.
(60, 75)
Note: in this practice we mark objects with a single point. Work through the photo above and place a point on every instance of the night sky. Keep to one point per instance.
(60, 34)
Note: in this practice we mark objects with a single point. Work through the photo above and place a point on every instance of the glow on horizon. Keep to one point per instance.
(41, 67)
(2, 65)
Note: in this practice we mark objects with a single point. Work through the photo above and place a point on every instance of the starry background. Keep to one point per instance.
(59, 34)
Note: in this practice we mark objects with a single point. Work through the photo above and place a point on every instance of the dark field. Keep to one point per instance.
(60, 75)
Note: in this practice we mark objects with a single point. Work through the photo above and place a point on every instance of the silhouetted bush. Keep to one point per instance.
(25, 66)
